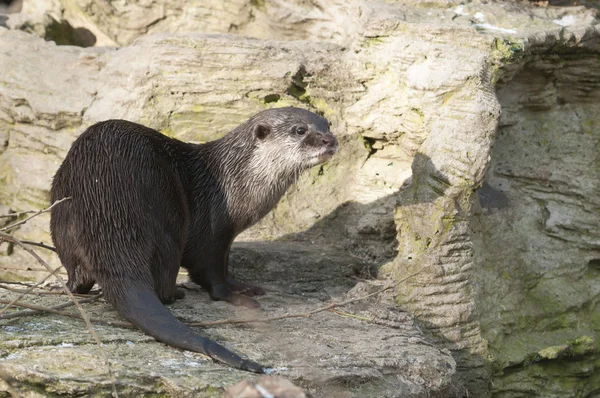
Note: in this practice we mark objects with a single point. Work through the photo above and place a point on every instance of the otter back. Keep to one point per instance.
(143, 205)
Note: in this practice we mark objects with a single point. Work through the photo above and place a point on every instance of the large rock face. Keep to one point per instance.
(536, 227)
(468, 149)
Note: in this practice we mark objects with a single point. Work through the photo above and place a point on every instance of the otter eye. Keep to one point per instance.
(300, 130)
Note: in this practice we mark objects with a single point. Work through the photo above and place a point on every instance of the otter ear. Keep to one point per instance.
(262, 131)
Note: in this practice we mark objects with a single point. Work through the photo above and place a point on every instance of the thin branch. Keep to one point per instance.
(26, 268)
(346, 314)
(39, 244)
(52, 310)
(17, 242)
(329, 307)
(39, 310)
(37, 213)
(30, 288)
(302, 314)
(19, 214)
(18, 283)
(42, 293)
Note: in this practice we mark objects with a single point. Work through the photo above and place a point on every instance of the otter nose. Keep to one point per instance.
(329, 139)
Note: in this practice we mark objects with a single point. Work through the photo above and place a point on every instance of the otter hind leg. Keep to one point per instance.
(81, 287)
(80, 281)
(179, 293)
(165, 267)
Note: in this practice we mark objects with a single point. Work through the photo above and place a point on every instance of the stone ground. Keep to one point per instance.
(369, 348)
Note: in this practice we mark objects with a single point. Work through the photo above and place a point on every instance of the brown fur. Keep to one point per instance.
(144, 204)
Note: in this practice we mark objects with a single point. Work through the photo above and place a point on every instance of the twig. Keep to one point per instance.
(4, 376)
(52, 310)
(39, 310)
(30, 288)
(16, 282)
(39, 244)
(347, 314)
(17, 242)
(37, 213)
(41, 293)
(303, 314)
(26, 268)
(19, 214)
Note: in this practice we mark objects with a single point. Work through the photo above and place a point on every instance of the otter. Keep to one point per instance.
(143, 205)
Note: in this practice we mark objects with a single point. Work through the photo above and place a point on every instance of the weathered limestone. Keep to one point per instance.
(379, 350)
(120, 23)
(535, 228)
(274, 385)
(468, 147)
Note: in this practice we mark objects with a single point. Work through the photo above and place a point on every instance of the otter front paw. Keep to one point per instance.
(245, 289)
(225, 293)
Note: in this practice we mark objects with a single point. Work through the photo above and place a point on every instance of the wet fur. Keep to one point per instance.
(144, 204)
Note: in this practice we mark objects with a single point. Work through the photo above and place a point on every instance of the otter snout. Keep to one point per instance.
(330, 142)
(327, 146)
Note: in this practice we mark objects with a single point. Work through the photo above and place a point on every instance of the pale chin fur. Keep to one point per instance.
(322, 157)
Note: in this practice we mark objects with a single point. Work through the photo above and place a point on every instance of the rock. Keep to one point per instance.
(11, 6)
(122, 23)
(266, 386)
(327, 354)
(467, 155)
(535, 281)
(53, 21)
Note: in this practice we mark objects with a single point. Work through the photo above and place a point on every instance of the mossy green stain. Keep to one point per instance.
(373, 41)
(260, 4)
(506, 49)
(420, 113)
(298, 92)
(322, 107)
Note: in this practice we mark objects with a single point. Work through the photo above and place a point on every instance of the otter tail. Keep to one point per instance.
(140, 305)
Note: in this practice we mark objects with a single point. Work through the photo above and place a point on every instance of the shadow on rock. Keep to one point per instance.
(368, 230)
(63, 34)
(365, 240)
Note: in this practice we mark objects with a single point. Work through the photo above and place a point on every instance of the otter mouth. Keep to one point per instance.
(323, 155)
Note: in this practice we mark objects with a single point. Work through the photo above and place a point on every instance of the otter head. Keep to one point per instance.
(294, 138)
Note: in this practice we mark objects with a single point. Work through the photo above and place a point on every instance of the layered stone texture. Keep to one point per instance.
(468, 153)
